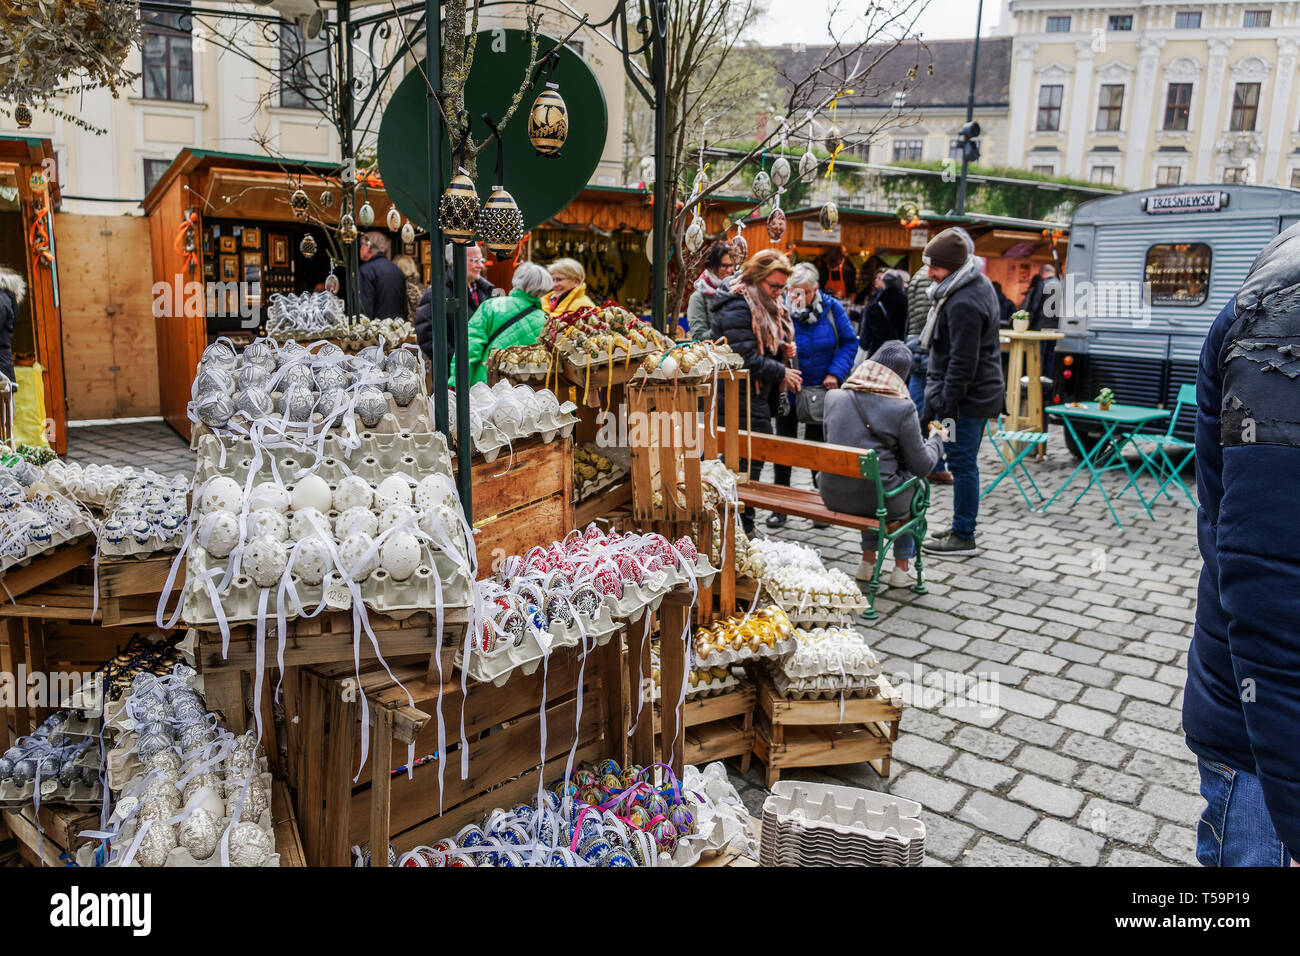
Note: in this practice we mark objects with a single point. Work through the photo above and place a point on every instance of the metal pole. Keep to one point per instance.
(659, 295)
(351, 250)
(437, 295)
(970, 109)
(464, 472)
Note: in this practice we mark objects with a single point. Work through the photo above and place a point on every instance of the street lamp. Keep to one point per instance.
(970, 150)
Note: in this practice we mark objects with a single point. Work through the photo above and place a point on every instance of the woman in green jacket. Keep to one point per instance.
(506, 320)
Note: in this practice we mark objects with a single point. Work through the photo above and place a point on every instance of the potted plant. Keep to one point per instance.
(1020, 321)
(1104, 398)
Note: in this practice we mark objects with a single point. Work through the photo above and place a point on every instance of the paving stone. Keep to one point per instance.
(917, 751)
(1094, 749)
(984, 743)
(901, 646)
(992, 650)
(1093, 722)
(1145, 689)
(950, 661)
(1007, 674)
(1034, 731)
(979, 773)
(1111, 784)
(917, 721)
(1184, 808)
(1151, 738)
(1180, 773)
(947, 640)
(1031, 705)
(1096, 676)
(1105, 642)
(1166, 718)
(998, 816)
(1177, 843)
(1023, 639)
(931, 792)
(1057, 688)
(1037, 661)
(989, 852)
(1078, 653)
(1115, 821)
(944, 837)
(1046, 763)
(1046, 796)
(1098, 699)
(1123, 857)
(1069, 843)
(1124, 664)
(980, 629)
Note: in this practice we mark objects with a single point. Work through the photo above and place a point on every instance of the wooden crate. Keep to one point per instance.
(503, 732)
(813, 733)
(523, 499)
(128, 585)
(61, 824)
(720, 726)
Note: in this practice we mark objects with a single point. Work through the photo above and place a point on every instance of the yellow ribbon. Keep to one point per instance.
(835, 102)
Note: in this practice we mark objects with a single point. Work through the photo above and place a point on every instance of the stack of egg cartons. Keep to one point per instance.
(812, 824)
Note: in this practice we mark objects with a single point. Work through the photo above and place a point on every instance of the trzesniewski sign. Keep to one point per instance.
(1185, 202)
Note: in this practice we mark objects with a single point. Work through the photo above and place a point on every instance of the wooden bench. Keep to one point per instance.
(837, 460)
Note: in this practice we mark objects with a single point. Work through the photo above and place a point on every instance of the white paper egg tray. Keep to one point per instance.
(526, 371)
(378, 455)
(809, 824)
(79, 794)
(826, 687)
(492, 440)
(713, 688)
(699, 372)
(527, 656)
(129, 547)
(58, 537)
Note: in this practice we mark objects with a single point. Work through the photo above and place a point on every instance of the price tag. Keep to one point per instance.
(125, 806)
(48, 787)
(338, 597)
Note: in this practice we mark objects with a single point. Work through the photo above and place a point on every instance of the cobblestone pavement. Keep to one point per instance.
(1085, 630)
(149, 444)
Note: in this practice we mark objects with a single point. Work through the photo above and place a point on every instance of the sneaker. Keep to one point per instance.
(865, 571)
(950, 544)
(776, 520)
(898, 578)
(940, 477)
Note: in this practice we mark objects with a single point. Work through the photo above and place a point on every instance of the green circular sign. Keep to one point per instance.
(541, 185)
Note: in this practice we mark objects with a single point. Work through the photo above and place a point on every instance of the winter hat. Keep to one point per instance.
(948, 250)
(896, 357)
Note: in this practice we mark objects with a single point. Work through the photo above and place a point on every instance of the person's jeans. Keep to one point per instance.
(962, 450)
(916, 388)
(788, 427)
(1235, 829)
(904, 547)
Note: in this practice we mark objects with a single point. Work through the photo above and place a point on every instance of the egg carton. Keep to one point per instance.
(78, 795)
(806, 689)
(701, 371)
(525, 372)
(638, 598)
(791, 600)
(493, 438)
(86, 855)
(58, 537)
(795, 845)
(528, 654)
(713, 688)
(582, 361)
(130, 547)
(728, 657)
(809, 824)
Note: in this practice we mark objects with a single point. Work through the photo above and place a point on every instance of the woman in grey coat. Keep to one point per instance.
(872, 410)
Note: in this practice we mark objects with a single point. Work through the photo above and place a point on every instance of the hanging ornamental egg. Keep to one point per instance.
(739, 249)
(762, 184)
(366, 215)
(458, 212)
(700, 183)
(326, 199)
(834, 141)
(501, 224)
(308, 246)
(776, 225)
(347, 229)
(829, 217)
(408, 232)
(394, 219)
(808, 166)
(694, 236)
(332, 284)
(22, 116)
(548, 122)
(299, 203)
(780, 172)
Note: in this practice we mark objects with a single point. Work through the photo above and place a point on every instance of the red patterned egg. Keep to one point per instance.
(686, 547)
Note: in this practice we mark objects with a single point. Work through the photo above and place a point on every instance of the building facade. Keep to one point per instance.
(194, 91)
(1155, 93)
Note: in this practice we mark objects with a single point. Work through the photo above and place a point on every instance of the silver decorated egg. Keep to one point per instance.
(260, 354)
(157, 843)
(264, 561)
(218, 355)
(214, 380)
(214, 409)
(254, 403)
(371, 405)
(296, 403)
(254, 376)
(404, 386)
(249, 845)
(331, 376)
(332, 406)
(198, 833)
(296, 374)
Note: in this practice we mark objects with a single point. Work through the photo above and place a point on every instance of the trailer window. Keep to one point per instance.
(1178, 273)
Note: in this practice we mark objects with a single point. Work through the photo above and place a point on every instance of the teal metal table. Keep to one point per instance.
(1119, 423)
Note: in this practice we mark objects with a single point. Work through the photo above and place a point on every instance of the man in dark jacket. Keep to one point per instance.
(1241, 710)
(963, 386)
(885, 319)
(381, 285)
(12, 289)
(479, 290)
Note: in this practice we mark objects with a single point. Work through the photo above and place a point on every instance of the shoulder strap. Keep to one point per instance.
(507, 324)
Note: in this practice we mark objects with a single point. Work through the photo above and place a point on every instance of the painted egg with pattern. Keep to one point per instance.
(264, 561)
(198, 833)
(296, 403)
(332, 406)
(400, 555)
(404, 386)
(429, 491)
(156, 844)
(214, 409)
(254, 403)
(401, 358)
(221, 494)
(357, 554)
(218, 355)
(331, 376)
(269, 495)
(311, 559)
(268, 523)
(393, 490)
(306, 522)
(356, 521)
(259, 354)
(249, 845)
(371, 405)
(548, 121)
(296, 374)
(311, 491)
(352, 492)
(397, 515)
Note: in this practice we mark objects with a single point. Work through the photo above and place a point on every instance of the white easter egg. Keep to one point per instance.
(249, 845)
(221, 494)
(199, 834)
(311, 559)
(400, 555)
(352, 492)
(219, 533)
(311, 491)
(205, 797)
(264, 561)
(396, 515)
(357, 555)
(429, 491)
(305, 521)
(270, 495)
(269, 524)
(393, 490)
(356, 521)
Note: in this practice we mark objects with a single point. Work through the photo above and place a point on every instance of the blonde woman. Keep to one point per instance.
(414, 287)
(748, 310)
(570, 292)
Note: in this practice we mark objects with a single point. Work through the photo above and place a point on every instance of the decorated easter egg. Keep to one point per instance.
(393, 490)
(398, 516)
(585, 600)
(429, 492)
(682, 819)
(665, 835)
(157, 843)
(214, 409)
(267, 523)
(219, 355)
(371, 405)
(199, 782)
(296, 375)
(259, 354)
(331, 377)
(638, 817)
(249, 845)
(611, 782)
(352, 492)
(269, 494)
(686, 548)
(404, 385)
(311, 491)
(400, 555)
(401, 358)
(356, 521)
(311, 559)
(304, 522)
(264, 561)
(608, 766)
(198, 833)
(218, 533)
(357, 555)
(655, 804)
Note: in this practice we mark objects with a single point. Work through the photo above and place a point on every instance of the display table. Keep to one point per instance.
(1026, 359)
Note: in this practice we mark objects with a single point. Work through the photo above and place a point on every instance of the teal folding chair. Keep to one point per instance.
(1012, 459)
(1169, 470)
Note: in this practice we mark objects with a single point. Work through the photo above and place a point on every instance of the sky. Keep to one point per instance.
(795, 21)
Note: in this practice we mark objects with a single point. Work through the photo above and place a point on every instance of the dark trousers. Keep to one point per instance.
(787, 426)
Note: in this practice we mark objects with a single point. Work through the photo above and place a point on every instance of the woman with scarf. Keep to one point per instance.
(718, 266)
(569, 292)
(873, 410)
(826, 344)
(748, 312)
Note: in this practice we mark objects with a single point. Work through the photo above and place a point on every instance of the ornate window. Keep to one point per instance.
(1049, 107)
(1178, 105)
(1245, 107)
(167, 57)
(1110, 107)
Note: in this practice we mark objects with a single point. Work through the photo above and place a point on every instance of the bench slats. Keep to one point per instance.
(818, 456)
(803, 504)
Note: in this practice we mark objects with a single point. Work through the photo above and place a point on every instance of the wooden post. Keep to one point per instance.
(381, 784)
(673, 620)
(614, 697)
(642, 743)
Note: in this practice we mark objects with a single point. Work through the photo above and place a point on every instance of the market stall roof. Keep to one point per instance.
(29, 149)
(190, 159)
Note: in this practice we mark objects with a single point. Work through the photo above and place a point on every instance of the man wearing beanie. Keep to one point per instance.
(964, 381)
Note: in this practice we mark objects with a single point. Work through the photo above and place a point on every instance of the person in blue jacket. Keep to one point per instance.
(1241, 709)
(826, 346)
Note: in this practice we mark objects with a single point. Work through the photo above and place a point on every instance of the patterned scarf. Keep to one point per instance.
(707, 283)
(770, 321)
(873, 377)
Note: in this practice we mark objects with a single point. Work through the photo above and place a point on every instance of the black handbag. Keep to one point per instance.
(810, 402)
